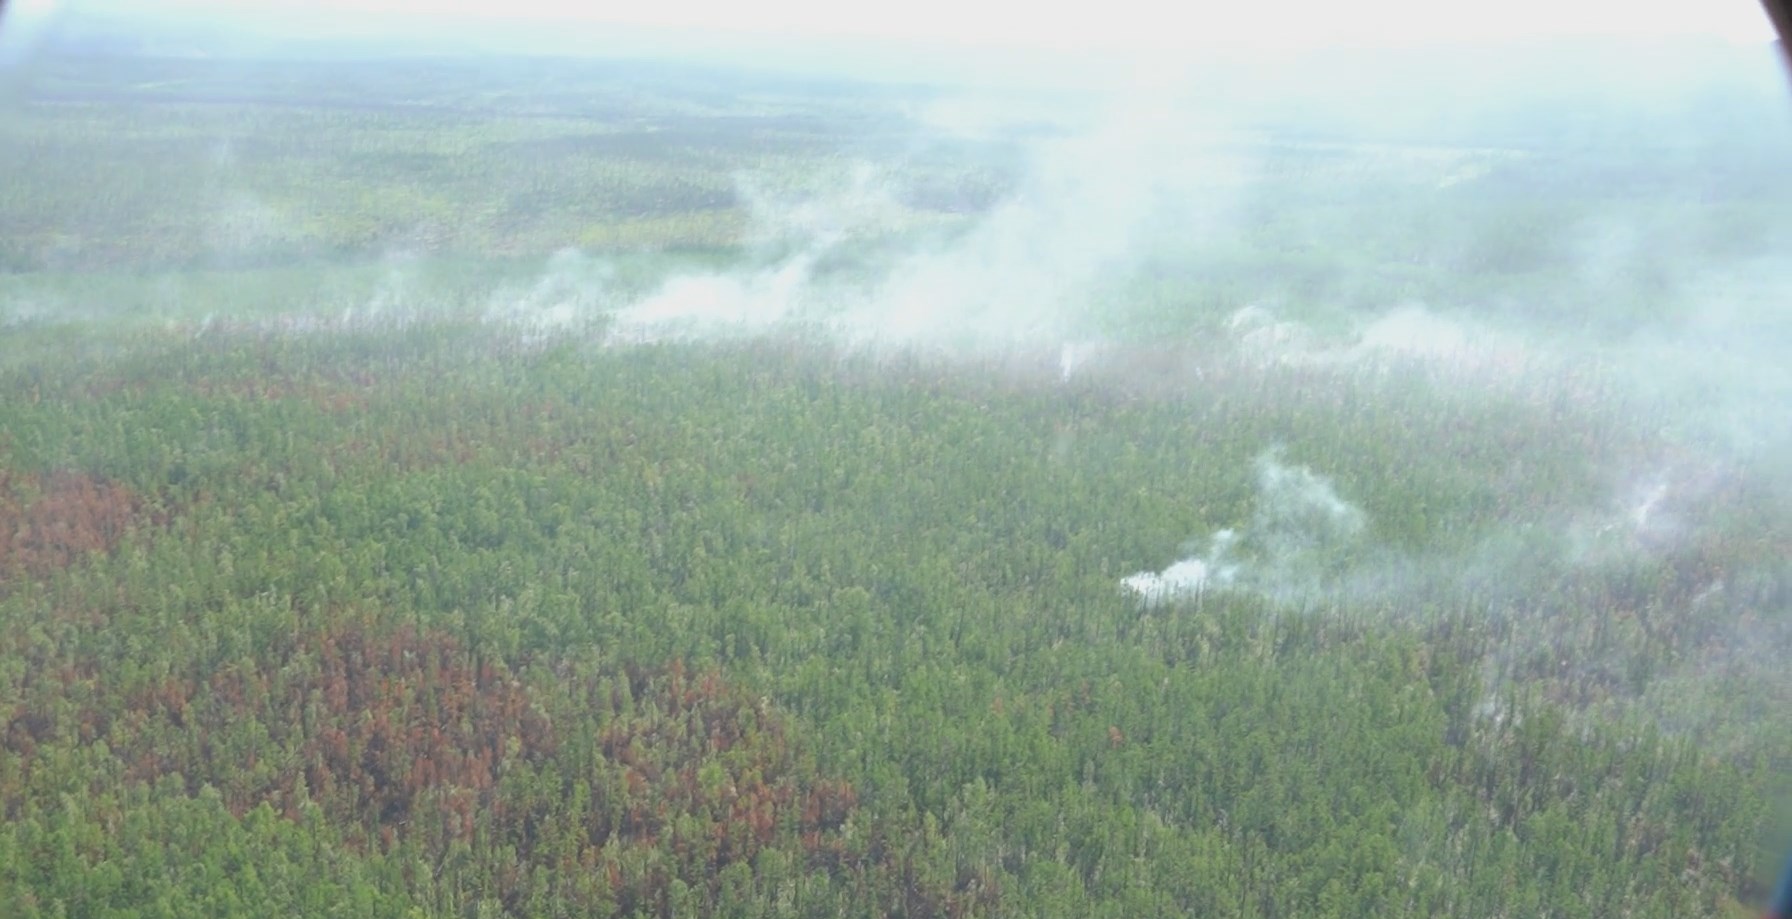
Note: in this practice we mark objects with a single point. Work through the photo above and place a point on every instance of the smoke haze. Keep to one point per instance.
(1581, 237)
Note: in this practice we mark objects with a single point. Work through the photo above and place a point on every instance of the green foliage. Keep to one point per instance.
(324, 594)
(1018, 738)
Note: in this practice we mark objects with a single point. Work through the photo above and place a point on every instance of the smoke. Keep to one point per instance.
(27, 23)
(815, 214)
(1189, 577)
(858, 266)
(715, 305)
(792, 232)
(1026, 269)
(1299, 539)
(1073, 355)
(1718, 374)
(1645, 515)
(569, 296)
(992, 116)
(1409, 337)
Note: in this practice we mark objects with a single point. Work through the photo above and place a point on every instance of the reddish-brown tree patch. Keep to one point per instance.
(407, 739)
(48, 522)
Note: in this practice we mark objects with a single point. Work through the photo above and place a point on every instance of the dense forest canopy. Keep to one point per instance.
(536, 486)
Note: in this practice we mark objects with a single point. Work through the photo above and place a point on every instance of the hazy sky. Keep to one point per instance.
(1062, 24)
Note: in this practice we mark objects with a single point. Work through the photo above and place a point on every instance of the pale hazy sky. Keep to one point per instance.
(1076, 23)
(1160, 23)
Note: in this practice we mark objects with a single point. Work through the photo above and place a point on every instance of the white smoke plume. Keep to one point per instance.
(570, 294)
(714, 305)
(1299, 532)
(1189, 577)
(791, 231)
(1022, 272)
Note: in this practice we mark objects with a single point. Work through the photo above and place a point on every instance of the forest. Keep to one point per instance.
(548, 486)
